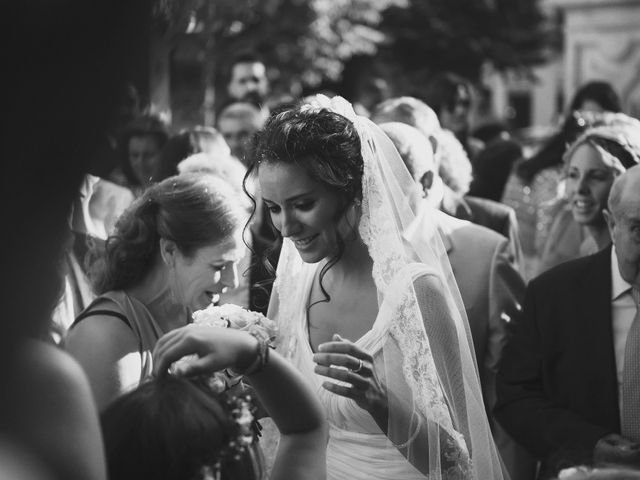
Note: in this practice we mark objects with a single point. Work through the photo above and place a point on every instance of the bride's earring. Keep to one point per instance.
(355, 210)
(352, 218)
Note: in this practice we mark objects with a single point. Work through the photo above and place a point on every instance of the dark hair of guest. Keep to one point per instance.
(144, 126)
(599, 92)
(175, 428)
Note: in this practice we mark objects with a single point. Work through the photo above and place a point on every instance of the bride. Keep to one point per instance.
(366, 302)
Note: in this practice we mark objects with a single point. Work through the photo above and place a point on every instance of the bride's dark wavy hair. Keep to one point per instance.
(326, 145)
(193, 210)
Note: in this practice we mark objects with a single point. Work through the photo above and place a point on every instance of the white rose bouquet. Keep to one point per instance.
(230, 316)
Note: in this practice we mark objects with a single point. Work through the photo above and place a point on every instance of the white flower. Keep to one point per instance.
(233, 316)
(336, 104)
(228, 316)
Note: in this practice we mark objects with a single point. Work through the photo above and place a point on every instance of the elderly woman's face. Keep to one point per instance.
(589, 181)
(199, 279)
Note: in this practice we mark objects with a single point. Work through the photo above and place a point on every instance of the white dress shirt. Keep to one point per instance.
(623, 311)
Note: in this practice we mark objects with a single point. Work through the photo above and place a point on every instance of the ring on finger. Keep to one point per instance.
(359, 367)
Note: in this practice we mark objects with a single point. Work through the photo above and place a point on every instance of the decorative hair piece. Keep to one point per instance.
(336, 104)
(237, 318)
(242, 412)
(613, 127)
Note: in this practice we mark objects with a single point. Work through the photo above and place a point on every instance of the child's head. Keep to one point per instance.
(177, 429)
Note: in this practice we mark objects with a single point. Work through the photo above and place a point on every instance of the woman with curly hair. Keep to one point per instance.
(366, 303)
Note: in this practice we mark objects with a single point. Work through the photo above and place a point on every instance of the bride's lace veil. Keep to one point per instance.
(437, 418)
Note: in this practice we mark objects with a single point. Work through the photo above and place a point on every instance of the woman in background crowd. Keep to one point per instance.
(140, 145)
(534, 187)
(591, 164)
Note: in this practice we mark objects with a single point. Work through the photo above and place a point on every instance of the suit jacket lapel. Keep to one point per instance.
(445, 236)
(595, 330)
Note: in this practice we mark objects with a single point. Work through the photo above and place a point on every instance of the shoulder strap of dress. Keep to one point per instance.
(89, 312)
(109, 313)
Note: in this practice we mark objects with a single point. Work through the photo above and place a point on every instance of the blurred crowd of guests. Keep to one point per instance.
(545, 251)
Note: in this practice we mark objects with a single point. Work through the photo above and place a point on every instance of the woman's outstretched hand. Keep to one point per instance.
(281, 390)
(343, 360)
(217, 349)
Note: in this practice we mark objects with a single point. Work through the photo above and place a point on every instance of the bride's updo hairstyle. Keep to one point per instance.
(322, 142)
(192, 210)
(176, 428)
(325, 144)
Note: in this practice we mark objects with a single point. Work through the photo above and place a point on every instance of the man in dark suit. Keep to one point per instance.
(560, 380)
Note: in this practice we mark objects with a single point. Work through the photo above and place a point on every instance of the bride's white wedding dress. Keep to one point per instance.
(357, 448)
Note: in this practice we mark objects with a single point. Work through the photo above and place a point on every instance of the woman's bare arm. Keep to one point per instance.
(108, 351)
(285, 395)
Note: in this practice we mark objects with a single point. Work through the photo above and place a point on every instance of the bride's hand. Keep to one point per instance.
(344, 361)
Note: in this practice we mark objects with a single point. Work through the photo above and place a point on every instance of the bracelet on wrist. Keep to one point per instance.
(261, 359)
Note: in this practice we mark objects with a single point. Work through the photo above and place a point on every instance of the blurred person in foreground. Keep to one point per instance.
(534, 188)
(47, 413)
(174, 251)
(490, 284)
(568, 380)
(177, 428)
(601, 153)
(450, 187)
